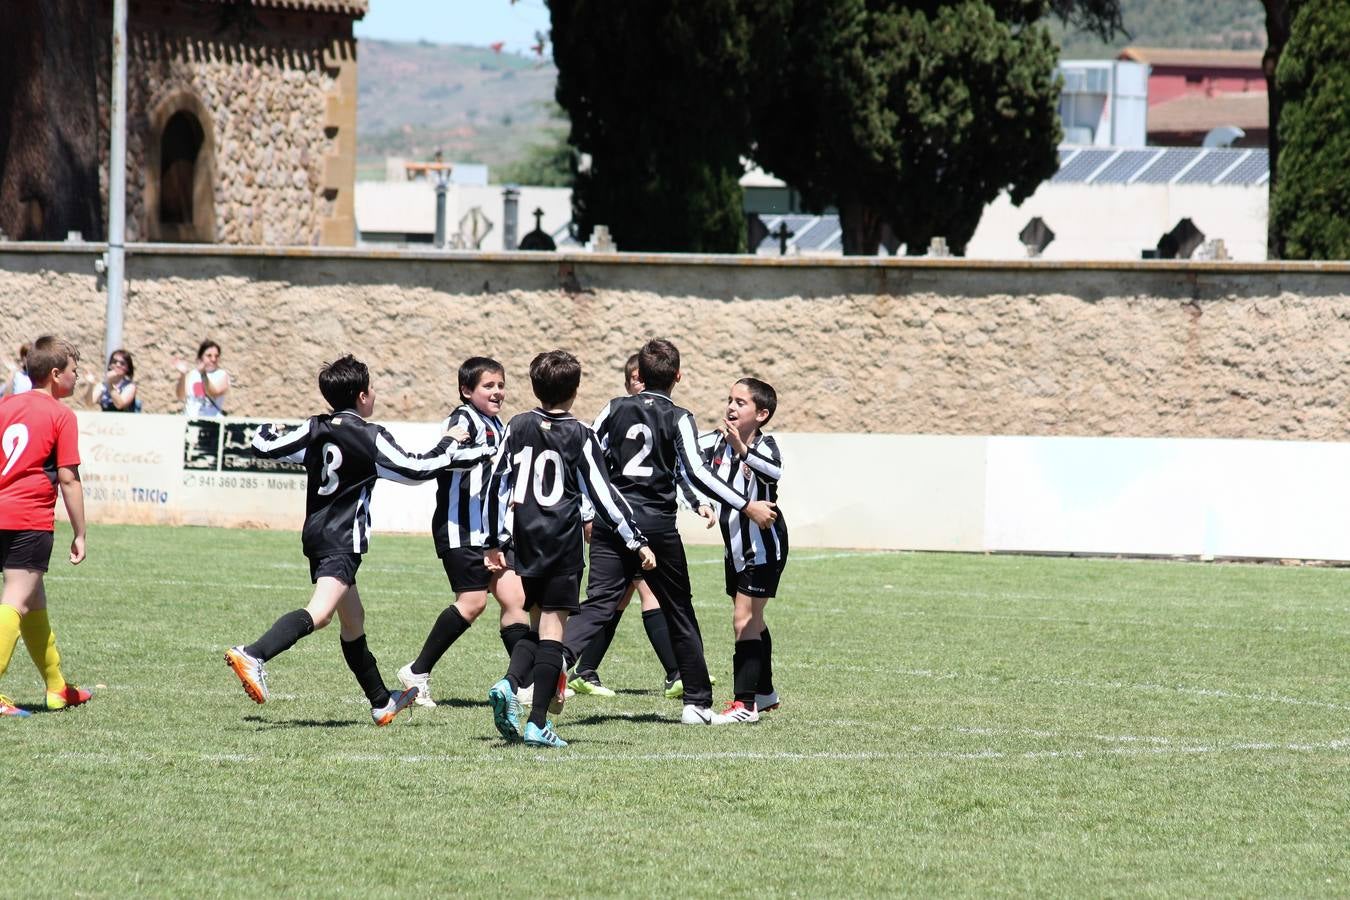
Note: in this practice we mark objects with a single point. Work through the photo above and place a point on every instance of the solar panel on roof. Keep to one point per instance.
(1124, 165)
(1065, 153)
(817, 232)
(1211, 167)
(1168, 165)
(1250, 170)
(1082, 165)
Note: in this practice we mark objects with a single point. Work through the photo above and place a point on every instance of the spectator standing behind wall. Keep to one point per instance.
(116, 390)
(18, 381)
(203, 388)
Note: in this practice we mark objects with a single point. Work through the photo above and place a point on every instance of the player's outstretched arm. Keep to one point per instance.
(290, 444)
(608, 503)
(396, 464)
(696, 467)
(72, 492)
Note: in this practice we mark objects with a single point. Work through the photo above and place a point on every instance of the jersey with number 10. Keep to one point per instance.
(343, 455)
(651, 446)
(549, 462)
(38, 435)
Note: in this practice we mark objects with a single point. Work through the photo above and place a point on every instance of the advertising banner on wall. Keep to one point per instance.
(1135, 496)
(149, 469)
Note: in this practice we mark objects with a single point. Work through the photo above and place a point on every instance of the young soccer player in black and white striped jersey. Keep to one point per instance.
(749, 462)
(459, 529)
(343, 455)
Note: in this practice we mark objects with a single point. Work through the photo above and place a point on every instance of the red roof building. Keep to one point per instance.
(1191, 92)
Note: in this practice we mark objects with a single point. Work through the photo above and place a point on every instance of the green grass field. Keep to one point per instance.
(951, 724)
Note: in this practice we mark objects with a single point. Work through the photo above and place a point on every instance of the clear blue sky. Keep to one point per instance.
(479, 22)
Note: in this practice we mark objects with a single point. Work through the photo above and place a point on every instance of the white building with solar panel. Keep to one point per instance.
(1112, 199)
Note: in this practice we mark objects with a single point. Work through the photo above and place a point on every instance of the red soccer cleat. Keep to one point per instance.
(68, 696)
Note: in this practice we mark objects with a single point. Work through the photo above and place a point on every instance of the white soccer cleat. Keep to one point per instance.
(701, 715)
(410, 679)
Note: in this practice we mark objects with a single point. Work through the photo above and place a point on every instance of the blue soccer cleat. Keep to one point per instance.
(505, 710)
(542, 737)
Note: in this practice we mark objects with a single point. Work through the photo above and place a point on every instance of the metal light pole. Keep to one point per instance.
(115, 259)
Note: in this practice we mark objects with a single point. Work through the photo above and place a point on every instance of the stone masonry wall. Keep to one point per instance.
(1197, 350)
(267, 96)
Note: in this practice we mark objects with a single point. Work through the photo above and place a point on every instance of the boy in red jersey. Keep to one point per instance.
(39, 449)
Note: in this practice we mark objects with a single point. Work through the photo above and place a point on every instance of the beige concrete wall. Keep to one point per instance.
(901, 346)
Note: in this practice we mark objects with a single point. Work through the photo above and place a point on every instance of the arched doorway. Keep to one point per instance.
(179, 147)
(180, 176)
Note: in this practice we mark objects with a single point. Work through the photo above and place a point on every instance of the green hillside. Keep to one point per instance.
(1197, 24)
(474, 104)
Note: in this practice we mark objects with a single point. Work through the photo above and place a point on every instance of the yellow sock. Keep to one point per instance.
(41, 640)
(9, 635)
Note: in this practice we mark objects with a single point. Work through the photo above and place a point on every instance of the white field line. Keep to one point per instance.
(1146, 687)
(118, 758)
(1093, 622)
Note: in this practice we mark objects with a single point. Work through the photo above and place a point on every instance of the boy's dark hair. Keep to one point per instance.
(658, 364)
(49, 352)
(763, 394)
(473, 369)
(342, 381)
(126, 355)
(555, 377)
(629, 368)
(23, 350)
(207, 345)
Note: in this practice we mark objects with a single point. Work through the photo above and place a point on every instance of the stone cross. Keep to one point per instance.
(782, 233)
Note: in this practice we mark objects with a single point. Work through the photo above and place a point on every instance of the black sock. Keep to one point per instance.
(745, 664)
(766, 663)
(654, 621)
(589, 664)
(362, 663)
(449, 626)
(511, 634)
(547, 667)
(521, 669)
(282, 635)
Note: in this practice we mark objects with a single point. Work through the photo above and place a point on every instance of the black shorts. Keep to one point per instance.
(26, 550)
(341, 566)
(753, 581)
(555, 592)
(464, 567)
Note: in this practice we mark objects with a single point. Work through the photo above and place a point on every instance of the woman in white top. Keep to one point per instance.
(203, 388)
(18, 382)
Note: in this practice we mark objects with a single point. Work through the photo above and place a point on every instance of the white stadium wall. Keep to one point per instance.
(1156, 497)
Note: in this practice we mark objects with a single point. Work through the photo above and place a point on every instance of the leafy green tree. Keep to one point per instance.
(658, 97)
(912, 115)
(1308, 207)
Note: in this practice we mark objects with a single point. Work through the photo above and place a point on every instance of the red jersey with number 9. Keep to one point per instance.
(38, 434)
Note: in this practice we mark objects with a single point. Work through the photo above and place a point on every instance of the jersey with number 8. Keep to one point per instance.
(38, 435)
(343, 455)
